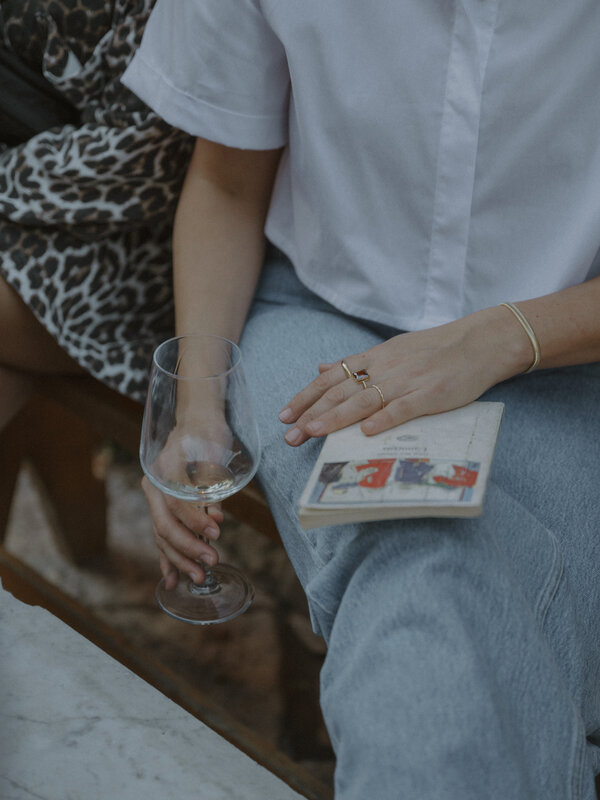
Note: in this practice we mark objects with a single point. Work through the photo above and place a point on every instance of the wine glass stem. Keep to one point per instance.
(210, 585)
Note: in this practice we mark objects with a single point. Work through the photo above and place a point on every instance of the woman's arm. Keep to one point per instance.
(567, 324)
(218, 248)
(435, 370)
(218, 237)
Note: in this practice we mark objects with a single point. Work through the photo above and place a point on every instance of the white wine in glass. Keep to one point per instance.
(200, 443)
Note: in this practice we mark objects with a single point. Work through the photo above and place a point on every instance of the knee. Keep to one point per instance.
(24, 342)
(432, 660)
(412, 627)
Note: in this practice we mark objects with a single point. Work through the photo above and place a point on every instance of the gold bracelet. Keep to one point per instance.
(530, 334)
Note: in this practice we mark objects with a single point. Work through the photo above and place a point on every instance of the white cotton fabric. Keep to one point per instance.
(443, 156)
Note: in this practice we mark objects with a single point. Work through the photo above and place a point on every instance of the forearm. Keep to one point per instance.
(218, 246)
(217, 254)
(565, 323)
(218, 241)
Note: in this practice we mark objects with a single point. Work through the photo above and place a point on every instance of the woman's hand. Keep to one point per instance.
(177, 525)
(195, 454)
(197, 440)
(419, 373)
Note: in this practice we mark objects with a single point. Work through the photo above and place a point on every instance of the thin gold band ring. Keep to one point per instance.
(379, 392)
(346, 369)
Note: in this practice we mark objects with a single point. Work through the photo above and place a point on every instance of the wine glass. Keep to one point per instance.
(200, 443)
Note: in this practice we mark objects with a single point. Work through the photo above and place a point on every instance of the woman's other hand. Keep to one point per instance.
(177, 525)
(420, 373)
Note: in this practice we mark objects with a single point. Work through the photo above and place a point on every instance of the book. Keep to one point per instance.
(433, 466)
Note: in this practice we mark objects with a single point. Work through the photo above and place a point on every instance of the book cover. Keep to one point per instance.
(434, 466)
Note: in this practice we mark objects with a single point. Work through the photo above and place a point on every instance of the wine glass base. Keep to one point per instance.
(232, 597)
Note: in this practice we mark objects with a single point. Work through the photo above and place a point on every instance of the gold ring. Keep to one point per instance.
(379, 392)
(362, 377)
(346, 369)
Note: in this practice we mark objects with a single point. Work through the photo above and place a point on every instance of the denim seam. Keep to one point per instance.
(578, 763)
(556, 571)
(550, 588)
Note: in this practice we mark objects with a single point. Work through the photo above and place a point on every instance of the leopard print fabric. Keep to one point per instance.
(86, 211)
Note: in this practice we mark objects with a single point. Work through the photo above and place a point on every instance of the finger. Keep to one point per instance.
(396, 412)
(309, 395)
(173, 538)
(323, 367)
(168, 571)
(317, 388)
(216, 512)
(173, 533)
(189, 567)
(304, 427)
(197, 517)
(183, 548)
(360, 404)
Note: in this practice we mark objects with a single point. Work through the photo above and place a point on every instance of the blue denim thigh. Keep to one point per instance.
(462, 654)
(286, 336)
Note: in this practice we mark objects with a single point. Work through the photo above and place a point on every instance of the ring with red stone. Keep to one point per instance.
(362, 377)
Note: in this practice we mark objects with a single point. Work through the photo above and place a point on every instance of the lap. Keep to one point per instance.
(545, 465)
(542, 489)
(520, 580)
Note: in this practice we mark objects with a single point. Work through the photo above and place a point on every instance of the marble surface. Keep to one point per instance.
(74, 723)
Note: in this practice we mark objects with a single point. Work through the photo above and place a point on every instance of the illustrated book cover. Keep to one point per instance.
(433, 466)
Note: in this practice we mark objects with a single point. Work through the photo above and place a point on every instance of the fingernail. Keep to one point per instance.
(210, 531)
(315, 428)
(368, 426)
(293, 436)
(195, 576)
(286, 415)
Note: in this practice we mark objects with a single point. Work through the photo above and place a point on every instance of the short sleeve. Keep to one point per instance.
(215, 69)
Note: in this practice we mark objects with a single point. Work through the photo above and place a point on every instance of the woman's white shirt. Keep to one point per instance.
(442, 157)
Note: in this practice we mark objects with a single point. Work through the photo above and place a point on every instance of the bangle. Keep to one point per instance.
(530, 334)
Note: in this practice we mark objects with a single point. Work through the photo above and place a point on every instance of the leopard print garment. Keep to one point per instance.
(86, 210)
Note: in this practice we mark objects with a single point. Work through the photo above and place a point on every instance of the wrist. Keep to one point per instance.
(507, 343)
(529, 332)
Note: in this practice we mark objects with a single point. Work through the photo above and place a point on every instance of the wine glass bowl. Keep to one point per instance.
(200, 444)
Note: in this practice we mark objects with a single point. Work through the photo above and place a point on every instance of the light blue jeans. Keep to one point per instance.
(463, 656)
